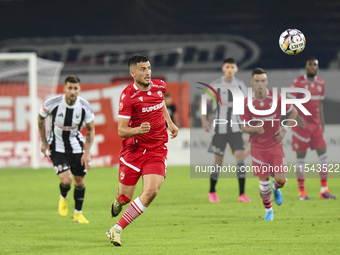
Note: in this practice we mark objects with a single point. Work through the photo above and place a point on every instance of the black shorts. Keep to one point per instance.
(219, 143)
(67, 161)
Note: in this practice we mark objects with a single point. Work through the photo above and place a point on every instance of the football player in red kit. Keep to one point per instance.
(141, 122)
(265, 137)
(310, 130)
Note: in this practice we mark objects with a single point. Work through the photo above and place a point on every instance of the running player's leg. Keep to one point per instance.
(217, 146)
(62, 169)
(319, 144)
(79, 195)
(300, 174)
(151, 186)
(323, 162)
(260, 169)
(65, 186)
(153, 172)
(236, 143)
(79, 172)
(279, 165)
(241, 175)
(277, 184)
(214, 178)
(123, 196)
(266, 196)
(300, 143)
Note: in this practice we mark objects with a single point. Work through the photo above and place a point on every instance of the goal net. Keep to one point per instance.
(26, 81)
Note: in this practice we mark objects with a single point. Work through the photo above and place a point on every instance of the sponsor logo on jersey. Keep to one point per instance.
(64, 128)
(160, 93)
(153, 108)
(60, 115)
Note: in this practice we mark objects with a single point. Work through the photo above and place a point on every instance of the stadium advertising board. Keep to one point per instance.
(104, 99)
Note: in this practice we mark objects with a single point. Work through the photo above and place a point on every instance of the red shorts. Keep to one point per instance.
(269, 161)
(140, 162)
(310, 137)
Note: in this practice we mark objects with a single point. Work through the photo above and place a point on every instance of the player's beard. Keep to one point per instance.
(71, 100)
(145, 85)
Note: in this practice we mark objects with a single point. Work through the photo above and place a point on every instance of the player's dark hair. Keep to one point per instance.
(137, 59)
(258, 71)
(72, 79)
(312, 58)
(229, 61)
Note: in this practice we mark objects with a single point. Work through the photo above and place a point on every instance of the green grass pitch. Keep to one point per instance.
(179, 221)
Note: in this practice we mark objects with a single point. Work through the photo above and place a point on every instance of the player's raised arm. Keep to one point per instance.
(124, 131)
(171, 126)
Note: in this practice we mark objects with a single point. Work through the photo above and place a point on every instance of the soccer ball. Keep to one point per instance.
(292, 41)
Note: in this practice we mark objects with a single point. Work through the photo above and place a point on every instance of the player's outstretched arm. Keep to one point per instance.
(171, 126)
(86, 158)
(42, 130)
(124, 131)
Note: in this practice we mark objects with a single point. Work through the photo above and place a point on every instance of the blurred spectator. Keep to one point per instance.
(171, 108)
(195, 112)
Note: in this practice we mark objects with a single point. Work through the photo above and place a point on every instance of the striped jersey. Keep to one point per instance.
(66, 122)
(226, 110)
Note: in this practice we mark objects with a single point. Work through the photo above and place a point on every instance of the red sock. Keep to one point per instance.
(301, 184)
(300, 173)
(323, 160)
(135, 209)
(324, 183)
(266, 194)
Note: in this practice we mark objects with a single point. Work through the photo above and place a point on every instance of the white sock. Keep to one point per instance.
(118, 227)
(323, 189)
(76, 211)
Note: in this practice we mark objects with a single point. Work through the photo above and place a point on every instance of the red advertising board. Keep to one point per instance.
(104, 99)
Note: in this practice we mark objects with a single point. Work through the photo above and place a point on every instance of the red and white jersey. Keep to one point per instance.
(271, 121)
(144, 106)
(317, 90)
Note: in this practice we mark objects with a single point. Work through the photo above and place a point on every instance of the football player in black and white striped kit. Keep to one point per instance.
(68, 113)
(225, 133)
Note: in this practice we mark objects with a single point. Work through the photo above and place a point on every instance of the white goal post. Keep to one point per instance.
(37, 73)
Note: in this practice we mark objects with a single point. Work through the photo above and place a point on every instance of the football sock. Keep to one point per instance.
(135, 209)
(266, 194)
(79, 194)
(300, 173)
(64, 189)
(323, 161)
(214, 178)
(241, 175)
